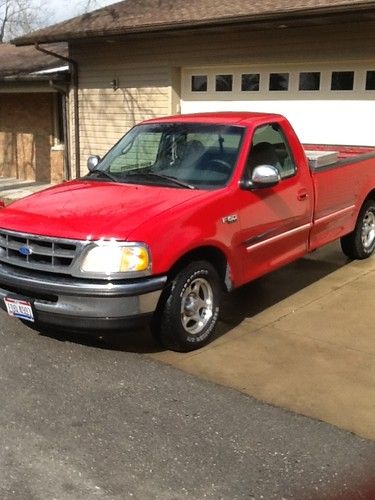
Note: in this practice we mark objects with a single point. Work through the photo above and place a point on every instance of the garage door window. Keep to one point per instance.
(370, 80)
(199, 83)
(342, 80)
(309, 81)
(270, 147)
(224, 83)
(250, 82)
(279, 81)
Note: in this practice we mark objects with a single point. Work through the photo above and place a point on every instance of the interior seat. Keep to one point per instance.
(263, 153)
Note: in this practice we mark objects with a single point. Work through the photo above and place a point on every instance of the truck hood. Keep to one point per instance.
(90, 209)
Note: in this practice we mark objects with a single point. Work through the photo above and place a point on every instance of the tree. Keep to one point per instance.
(88, 5)
(18, 17)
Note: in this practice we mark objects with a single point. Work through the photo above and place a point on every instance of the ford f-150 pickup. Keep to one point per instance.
(179, 211)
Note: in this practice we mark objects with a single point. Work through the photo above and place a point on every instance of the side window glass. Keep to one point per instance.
(270, 147)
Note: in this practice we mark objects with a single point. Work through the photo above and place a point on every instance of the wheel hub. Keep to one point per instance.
(191, 305)
(197, 306)
(368, 229)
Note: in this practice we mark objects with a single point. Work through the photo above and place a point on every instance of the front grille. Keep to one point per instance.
(38, 252)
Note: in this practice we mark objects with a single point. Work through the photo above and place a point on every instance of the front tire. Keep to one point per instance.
(360, 244)
(191, 309)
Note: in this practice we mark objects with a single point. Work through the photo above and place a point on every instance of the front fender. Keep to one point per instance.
(186, 230)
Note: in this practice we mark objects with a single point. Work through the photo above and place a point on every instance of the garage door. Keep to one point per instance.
(325, 104)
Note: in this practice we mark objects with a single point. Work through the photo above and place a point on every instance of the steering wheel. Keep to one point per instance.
(218, 165)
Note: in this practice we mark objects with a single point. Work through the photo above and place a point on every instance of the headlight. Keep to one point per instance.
(113, 258)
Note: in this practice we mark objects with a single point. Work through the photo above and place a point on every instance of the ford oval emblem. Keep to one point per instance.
(25, 250)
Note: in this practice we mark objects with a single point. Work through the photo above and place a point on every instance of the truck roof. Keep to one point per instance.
(223, 117)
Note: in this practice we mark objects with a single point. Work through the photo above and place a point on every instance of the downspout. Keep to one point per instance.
(74, 69)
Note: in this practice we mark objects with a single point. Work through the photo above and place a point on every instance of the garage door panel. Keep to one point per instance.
(320, 116)
(328, 122)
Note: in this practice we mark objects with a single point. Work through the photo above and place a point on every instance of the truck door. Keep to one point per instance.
(275, 221)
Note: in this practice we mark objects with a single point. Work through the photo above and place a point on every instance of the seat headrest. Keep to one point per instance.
(263, 153)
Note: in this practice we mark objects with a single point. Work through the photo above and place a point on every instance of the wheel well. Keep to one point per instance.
(209, 253)
(371, 195)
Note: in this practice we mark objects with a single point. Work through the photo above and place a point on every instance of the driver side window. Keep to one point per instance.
(270, 147)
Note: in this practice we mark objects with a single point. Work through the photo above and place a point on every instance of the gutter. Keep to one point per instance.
(74, 69)
(34, 77)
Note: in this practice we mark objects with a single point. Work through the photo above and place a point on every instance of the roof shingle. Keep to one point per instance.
(137, 16)
(26, 60)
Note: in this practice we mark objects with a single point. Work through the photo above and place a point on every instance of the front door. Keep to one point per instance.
(275, 221)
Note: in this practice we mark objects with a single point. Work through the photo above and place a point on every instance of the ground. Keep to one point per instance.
(301, 338)
(83, 418)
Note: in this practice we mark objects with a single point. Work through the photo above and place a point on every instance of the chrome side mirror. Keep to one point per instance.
(93, 162)
(263, 176)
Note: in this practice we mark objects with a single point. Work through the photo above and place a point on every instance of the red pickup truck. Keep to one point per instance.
(180, 210)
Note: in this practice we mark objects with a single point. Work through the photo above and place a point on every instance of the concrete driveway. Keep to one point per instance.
(302, 338)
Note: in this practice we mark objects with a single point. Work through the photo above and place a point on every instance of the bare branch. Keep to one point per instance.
(22, 16)
(18, 17)
(89, 5)
(3, 22)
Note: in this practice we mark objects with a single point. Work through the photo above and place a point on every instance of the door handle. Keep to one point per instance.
(302, 195)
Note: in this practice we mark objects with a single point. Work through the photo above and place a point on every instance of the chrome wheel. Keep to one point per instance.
(196, 306)
(368, 229)
(191, 307)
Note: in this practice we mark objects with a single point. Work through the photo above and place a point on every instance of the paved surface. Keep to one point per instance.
(12, 189)
(302, 338)
(78, 421)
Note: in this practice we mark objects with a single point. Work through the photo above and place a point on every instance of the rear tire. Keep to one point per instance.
(360, 244)
(190, 310)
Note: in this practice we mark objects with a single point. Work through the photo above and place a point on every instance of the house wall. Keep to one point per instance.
(148, 70)
(26, 137)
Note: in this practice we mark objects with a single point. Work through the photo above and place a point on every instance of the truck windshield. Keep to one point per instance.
(184, 155)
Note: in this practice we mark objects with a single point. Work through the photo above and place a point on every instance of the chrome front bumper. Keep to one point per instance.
(82, 304)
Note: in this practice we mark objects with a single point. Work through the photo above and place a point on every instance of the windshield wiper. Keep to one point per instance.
(103, 173)
(168, 178)
(173, 179)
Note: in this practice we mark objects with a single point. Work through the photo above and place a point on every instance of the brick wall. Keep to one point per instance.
(26, 137)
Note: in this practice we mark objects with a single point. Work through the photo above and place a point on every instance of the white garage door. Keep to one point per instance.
(325, 104)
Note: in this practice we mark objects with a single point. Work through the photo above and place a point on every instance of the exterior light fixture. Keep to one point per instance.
(114, 84)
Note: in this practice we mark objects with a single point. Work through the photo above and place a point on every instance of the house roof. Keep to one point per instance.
(142, 16)
(23, 61)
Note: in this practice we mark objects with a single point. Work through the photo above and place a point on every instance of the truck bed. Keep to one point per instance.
(345, 154)
(338, 186)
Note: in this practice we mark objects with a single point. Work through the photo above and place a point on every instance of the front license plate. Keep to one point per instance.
(19, 309)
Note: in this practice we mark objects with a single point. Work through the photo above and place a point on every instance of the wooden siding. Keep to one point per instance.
(148, 70)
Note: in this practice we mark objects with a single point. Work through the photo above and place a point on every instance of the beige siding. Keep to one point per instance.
(148, 70)
(105, 114)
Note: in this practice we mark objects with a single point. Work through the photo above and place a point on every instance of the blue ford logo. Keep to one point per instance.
(25, 250)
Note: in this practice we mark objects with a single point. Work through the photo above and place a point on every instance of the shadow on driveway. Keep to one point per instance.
(243, 303)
